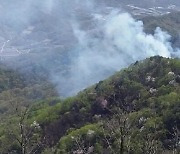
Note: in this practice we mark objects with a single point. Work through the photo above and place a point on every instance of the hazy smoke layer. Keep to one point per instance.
(117, 41)
(76, 41)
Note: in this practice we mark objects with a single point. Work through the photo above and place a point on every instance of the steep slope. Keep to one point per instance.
(137, 110)
(22, 89)
(169, 23)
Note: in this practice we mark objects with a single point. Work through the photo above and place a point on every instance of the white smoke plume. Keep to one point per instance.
(77, 42)
(117, 41)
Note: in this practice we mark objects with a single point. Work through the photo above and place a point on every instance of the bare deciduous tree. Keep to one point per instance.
(27, 136)
(118, 128)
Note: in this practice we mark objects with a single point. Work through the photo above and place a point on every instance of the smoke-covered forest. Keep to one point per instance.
(86, 76)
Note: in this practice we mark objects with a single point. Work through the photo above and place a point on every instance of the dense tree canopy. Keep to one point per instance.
(137, 110)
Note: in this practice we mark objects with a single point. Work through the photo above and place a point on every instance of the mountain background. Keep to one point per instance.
(47, 37)
(50, 50)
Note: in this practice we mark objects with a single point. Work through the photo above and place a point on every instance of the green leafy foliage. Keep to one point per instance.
(137, 110)
(16, 87)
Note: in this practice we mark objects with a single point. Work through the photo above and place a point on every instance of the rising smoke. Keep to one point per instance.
(101, 40)
(117, 41)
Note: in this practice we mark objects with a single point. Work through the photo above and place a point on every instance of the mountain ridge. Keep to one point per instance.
(145, 94)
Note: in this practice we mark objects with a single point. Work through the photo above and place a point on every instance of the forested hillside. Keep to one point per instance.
(137, 110)
(53, 55)
(169, 23)
(22, 88)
